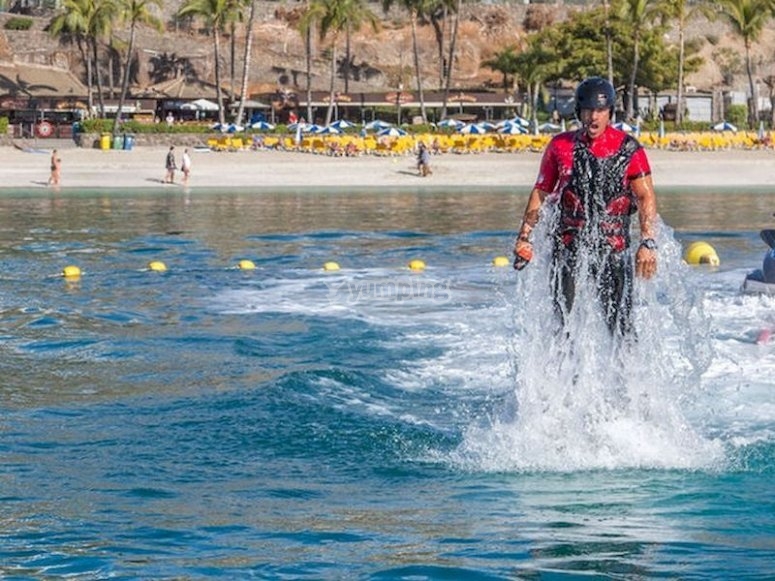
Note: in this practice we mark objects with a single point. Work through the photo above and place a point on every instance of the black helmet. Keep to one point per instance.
(595, 93)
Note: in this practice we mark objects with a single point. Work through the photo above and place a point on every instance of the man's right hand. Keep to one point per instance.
(523, 254)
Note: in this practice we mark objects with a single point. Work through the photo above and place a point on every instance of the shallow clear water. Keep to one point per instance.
(371, 423)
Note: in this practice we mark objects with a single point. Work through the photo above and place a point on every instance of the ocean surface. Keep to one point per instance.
(373, 422)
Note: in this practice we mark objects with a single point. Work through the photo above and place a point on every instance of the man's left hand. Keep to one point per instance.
(645, 262)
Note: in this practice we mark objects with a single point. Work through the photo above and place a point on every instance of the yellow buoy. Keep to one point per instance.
(157, 266)
(416, 265)
(501, 261)
(701, 253)
(71, 271)
(246, 265)
(331, 266)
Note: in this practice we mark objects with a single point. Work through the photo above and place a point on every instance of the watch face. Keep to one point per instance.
(649, 243)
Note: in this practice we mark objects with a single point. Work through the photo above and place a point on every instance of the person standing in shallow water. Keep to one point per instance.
(598, 176)
(170, 165)
(185, 165)
(56, 167)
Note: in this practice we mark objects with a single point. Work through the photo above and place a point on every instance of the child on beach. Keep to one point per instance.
(423, 160)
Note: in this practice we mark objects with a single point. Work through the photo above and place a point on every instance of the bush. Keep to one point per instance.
(18, 23)
(3, 125)
(738, 115)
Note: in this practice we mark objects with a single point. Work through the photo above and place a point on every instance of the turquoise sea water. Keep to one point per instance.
(371, 423)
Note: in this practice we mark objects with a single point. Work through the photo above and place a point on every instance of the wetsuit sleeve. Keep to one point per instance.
(548, 173)
(639, 165)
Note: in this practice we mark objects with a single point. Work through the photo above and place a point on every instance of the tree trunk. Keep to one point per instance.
(609, 53)
(418, 71)
(331, 93)
(450, 64)
(89, 80)
(347, 60)
(439, 31)
(632, 100)
(232, 60)
(125, 79)
(218, 91)
(679, 111)
(246, 61)
(100, 97)
(308, 56)
(753, 110)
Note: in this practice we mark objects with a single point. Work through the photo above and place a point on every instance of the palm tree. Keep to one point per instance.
(335, 17)
(747, 18)
(309, 20)
(504, 62)
(638, 14)
(680, 12)
(136, 12)
(416, 9)
(216, 14)
(246, 60)
(537, 64)
(451, 58)
(437, 11)
(87, 21)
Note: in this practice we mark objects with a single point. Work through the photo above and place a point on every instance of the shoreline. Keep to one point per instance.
(143, 167)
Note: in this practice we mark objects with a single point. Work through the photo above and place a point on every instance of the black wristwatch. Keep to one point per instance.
(648, 243)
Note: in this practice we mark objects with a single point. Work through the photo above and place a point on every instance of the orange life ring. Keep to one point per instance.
(44, 129)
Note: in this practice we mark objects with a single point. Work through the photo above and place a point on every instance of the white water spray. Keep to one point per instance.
(585, 400)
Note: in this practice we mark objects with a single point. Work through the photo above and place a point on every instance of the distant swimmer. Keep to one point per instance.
(56, 168)
(597, 176)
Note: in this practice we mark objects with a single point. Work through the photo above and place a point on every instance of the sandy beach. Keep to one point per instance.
(143, 167)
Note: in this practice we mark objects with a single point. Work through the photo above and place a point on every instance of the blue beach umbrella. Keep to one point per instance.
(228, 127)
(377, 125)
(549, 128)
(329, 130)
(262, 126)
(341, 124)
(517, 120)
(623, 126)
(450, 124)
(472, 129)
(724, 126)
(512, 129)
(391, 132)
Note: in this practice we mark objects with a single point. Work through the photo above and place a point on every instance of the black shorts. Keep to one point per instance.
(612, 274)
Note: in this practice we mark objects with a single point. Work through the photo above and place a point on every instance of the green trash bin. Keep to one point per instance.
(118, 142)
(105, 141)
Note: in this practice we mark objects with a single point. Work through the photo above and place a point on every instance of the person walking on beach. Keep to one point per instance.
(423, 160)
(597, 176)
(185, 165)
(56, 166)
(170, 165)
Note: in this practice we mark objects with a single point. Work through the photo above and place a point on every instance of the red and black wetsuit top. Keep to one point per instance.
(591, 180)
